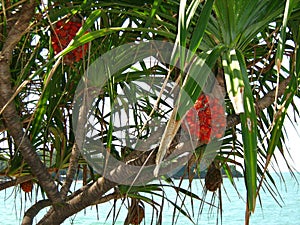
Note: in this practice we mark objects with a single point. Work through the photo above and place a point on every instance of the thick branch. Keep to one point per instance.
(93, 194)
(269, 98)
(264, 102)
(34, 210)
(85, 199)
(10, 114)
(18, 30)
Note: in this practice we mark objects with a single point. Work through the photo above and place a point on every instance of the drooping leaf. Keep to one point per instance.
(249, 135)
(199, 29)
(234, 81)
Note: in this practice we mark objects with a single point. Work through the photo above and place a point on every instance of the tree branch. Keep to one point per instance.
(34, 210)
(264, 102)
(71, 171)
(81, 201)
(15, 182)
(93, 194)
(11, 117)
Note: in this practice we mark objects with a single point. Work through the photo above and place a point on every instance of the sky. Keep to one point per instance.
(293, 145)
(293, 132)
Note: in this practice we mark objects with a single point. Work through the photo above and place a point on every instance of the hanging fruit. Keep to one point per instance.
(136, 213)
(64, 31)
(206, 120)
(27, 186)
(213, 178)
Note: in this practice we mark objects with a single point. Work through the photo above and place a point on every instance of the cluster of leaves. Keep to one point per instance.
(244, 42)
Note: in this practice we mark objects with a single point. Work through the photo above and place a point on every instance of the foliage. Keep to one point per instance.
(243, 42)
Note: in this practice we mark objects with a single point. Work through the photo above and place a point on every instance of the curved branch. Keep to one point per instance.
(78, 203)
(34, 210)
(269, 98)
(10, 115)
(93, 194)
(262, 103)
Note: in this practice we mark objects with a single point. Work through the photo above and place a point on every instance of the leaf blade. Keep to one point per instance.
(249, 135)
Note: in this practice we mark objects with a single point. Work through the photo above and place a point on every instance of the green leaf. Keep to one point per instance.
(39, 115)
(90, 36)
(276, 132)
(185, 16)
(213, 55)
(249, 135)
(155, 6)
(182, 24)
(191, 10)
(89, 22)
(125, 189)
(195, 81)
(197, 78)
(234, 80)
(180, 43)
(240, 21)
(289, 5)
(201, 25)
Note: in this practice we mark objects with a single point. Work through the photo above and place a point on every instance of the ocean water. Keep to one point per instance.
(233, 204)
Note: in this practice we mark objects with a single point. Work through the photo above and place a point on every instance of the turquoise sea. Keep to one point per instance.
(271, 213)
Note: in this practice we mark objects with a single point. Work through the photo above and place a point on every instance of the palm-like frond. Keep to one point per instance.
(244, 42)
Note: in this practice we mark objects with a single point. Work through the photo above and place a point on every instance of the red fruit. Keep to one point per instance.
(206, 120)
(56, 31)
(27, 186)
(59, 23)
(78, 56)
(219, 135)
(64, 43)
(67, 25)
(63, 33)
(78, 25)
(74, 28)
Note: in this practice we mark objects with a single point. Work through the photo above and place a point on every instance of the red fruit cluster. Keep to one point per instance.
(63, 33)
(27, 186)
(207, 119)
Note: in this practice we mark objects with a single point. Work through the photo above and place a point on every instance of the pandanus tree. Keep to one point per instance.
(47, 47)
